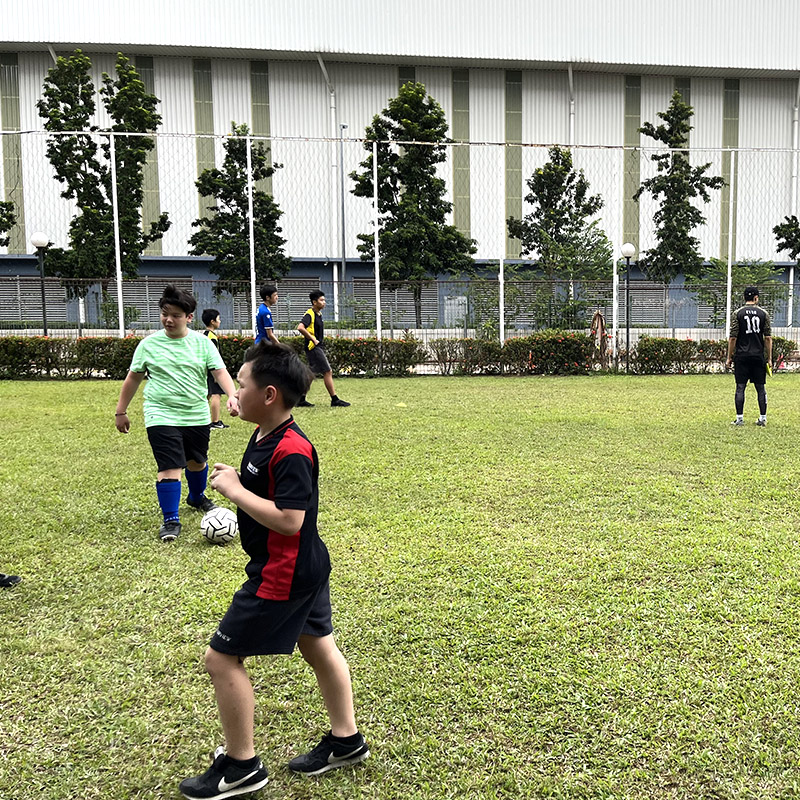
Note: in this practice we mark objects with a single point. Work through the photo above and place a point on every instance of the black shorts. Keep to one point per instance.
(213, 386)
(318, 361)
(174, 445)
(253, 626)
(753, 369)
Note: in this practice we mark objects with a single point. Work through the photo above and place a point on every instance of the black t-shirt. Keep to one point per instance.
(749, 325)
(283, 467)
(315, 326)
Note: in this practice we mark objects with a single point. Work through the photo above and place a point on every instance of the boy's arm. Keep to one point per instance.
(223, 378)
(129, 387)
(271, 335)
(286, 521)
(302, 328)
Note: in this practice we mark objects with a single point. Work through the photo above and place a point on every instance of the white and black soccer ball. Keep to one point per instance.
(219, 525)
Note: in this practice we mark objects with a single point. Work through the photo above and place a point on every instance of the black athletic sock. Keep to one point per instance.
(247, 764)
(356, 738)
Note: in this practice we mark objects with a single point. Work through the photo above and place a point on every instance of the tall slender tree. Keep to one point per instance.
(676, 185)
(558, 231)
(225, 235)
(416, 242)
(81, 160)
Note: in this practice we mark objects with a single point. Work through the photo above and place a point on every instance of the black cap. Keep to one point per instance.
(751, 292)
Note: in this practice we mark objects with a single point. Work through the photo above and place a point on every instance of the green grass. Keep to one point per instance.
(572, 588)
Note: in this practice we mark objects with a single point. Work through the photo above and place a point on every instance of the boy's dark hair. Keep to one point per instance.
(279, 365)
(315, 295)
(173, 296)
(209, 315)
(267, 289)
(751, 292)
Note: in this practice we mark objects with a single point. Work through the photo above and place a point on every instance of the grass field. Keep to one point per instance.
(571, 588)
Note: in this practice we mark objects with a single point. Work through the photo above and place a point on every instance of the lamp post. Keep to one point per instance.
(628, 252)
(40, 241)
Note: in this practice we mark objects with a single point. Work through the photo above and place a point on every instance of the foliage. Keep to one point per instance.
(661, 356)
(225, 235)
(467, 356)
(787, 235)
(711, 285)
(415, 240)
(548, 353)
(557, 231)
(677, 183)
(8, 219)
(82, 163)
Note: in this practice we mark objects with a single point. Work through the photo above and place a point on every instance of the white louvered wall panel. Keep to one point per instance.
(177, 155)
(487, 164)
(306, 189)
(764, 179)
(707, 34)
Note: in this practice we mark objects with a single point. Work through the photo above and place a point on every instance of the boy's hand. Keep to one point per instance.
(225, 479)
(233, 406)
(122, 422)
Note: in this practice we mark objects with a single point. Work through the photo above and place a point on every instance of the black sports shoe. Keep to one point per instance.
(224, 779)
(337, 403)
(170, 531)
(203, 504)
(7, 581)
(218, 424)
(304, 403)
(329, 754)
(762, 423)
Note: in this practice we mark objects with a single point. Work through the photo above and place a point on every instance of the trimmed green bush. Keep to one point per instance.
(548, 353)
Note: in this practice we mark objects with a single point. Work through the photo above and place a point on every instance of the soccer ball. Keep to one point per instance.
(219, 525)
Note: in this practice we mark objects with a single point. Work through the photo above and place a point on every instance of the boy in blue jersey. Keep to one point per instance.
(285, 599)
(265, 327)
(176, 361)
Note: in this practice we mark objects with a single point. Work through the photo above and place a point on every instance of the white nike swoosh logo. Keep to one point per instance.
(332, 759)
(224, 786)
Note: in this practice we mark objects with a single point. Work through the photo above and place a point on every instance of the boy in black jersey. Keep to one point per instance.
(750, 350)
(285, 599)
(312, 328)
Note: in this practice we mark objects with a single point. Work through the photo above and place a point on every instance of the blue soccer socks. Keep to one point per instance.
(169, 498)
(197, 482)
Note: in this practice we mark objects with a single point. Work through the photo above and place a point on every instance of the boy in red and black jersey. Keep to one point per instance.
(285, 599)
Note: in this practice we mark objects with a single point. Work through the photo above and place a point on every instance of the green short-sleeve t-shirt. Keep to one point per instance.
(176, 388)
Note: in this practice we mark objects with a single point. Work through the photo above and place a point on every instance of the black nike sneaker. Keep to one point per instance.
(225, 779)
(203, 504)
(329, 754)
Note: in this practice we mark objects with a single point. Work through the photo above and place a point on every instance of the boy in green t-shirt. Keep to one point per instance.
(176, 361)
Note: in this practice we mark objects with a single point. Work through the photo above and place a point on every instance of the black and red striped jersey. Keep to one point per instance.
(283, 467)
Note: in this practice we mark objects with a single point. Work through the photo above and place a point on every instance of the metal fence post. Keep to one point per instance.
(251, 236)
(117, 249)
(731, 205)
(376, 223)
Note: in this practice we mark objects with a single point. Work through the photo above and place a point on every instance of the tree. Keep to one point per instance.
(787, 235)
(82, 162)
(414, 238)
(8, 219)
(225, 235)
(677, 183)
(711, 285)
(557, 231)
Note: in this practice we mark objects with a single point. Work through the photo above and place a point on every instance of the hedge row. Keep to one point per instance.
(656, 356)
(543, 353)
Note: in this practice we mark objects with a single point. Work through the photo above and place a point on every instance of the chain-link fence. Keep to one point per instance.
(323, 224)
